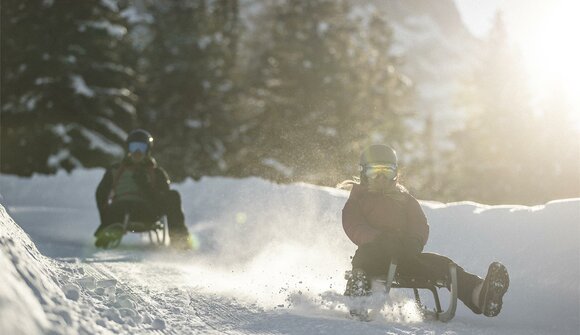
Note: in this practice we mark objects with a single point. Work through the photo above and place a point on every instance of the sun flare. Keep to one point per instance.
(552, 53)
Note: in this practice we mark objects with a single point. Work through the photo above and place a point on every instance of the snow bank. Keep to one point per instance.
(271, 243)
(31, 298)
(42, 296)
(20, 307)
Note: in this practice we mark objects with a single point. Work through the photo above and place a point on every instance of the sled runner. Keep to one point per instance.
(394, 280)
(155, 229)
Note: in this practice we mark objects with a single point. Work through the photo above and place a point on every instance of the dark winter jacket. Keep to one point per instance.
(367, 215)
(126, 180)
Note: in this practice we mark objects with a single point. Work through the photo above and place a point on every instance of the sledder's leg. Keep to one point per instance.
(110, 236)
(436, 267)
(495, 285)
(178, 233)
(113, 214)
(372, 263)
(358, 285)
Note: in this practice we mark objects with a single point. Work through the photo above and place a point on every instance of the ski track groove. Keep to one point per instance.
(224, 315)
(184, 310)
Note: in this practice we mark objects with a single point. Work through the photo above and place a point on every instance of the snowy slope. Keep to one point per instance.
(271, 260)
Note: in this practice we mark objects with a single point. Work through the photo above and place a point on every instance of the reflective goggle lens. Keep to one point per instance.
(389, 171)
(138, 146)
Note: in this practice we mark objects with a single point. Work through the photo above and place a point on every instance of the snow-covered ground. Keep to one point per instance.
(271, 260)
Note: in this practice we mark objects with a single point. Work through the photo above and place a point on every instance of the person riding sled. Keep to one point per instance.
(139, 186)
(386, 222)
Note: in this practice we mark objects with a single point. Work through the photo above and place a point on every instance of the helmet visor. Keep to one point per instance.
(388, 170)
(138, 146)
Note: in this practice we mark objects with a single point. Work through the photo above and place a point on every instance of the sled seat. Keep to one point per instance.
(394, 280)
(143, 227)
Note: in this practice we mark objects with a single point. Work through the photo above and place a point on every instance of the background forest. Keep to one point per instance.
(287, 90)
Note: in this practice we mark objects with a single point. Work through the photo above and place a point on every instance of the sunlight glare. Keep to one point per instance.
(553, 52)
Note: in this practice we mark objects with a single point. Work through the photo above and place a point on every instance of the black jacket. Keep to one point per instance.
(151, 179)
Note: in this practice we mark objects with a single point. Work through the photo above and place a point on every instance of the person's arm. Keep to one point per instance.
(162, 181)
(355, 225)
(418, 228)
(104, 189)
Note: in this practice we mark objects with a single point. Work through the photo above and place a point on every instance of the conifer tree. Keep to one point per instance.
(322, 87)
(188, 84)
(64, 95)
(495, 153)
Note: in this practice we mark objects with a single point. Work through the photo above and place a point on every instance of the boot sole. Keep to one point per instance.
(497, 286)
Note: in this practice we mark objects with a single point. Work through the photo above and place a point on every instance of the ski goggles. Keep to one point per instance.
(138, 146)
(388, 170)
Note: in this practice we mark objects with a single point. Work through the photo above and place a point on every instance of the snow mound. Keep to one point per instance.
(40, 295)
(31, 302)
(20, 309)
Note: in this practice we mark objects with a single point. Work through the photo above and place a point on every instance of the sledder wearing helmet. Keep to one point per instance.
(139, 140)
(386, 223)
(379, 168)
(137, 183)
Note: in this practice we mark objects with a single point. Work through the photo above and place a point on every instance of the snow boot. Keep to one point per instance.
(181, 242)
(358, 285)
(109, 237)
(495, 285)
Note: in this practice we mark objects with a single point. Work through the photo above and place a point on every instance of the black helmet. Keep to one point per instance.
(139, 135)
(378, 154)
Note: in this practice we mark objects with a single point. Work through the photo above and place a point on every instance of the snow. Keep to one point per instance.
(135, 15)
(112, 127)
(280, 167)
(111, 5)
(54, 160)
(80, 86)
(98, 142)
(114, 30)
(43, 80)
(271, 259)
(203, 42)
(194, 124)
(322, 28)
